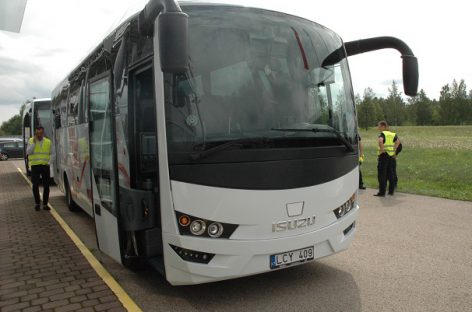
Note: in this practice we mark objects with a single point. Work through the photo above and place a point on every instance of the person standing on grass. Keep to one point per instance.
(361, 160)
(39, 155)
(388, 143)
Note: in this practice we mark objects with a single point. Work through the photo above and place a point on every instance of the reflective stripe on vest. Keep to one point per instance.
(41, 153)
(389, 145)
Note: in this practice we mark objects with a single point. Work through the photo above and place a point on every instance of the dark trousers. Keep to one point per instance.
(361, 182)
(39, 172)
(385, 173)
(394, 169)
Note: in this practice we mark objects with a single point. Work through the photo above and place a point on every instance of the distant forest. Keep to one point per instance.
(454, 107)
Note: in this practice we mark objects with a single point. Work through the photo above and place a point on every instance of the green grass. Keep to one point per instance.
(435, 161)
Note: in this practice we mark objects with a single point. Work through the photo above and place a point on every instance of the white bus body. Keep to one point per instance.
(242, 160)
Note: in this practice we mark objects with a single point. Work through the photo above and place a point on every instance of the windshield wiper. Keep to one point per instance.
(338, 134)
(229, 144)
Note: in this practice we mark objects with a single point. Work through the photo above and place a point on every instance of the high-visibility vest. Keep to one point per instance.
(389, 145)
(41, 153)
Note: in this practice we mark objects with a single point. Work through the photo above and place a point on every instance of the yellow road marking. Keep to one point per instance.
(125, 299)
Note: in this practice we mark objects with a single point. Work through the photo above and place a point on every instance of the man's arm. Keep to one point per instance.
(381, 145)
(30, 148)
(397, 143)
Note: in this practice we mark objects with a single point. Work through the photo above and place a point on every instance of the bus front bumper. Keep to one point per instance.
(238, 258)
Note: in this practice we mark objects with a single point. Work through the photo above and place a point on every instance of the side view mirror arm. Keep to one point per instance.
(410, 62)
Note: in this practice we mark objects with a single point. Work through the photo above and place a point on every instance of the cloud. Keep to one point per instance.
(22, 80)
(9, 66)
(50, 52)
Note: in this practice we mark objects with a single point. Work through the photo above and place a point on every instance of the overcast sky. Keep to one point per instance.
(57, 34)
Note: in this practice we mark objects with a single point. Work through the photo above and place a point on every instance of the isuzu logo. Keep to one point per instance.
(293, 224)
(295, 209)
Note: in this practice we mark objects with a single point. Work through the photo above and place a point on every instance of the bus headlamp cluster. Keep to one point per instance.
(346, 207)
(194, 226)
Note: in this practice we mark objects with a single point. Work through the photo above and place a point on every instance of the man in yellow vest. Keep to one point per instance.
(388, 143)
(39, 155)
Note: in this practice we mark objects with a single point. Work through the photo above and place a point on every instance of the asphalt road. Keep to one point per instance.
(410, 253)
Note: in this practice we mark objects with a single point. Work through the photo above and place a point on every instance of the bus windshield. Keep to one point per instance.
(42, 114)
(257, 74)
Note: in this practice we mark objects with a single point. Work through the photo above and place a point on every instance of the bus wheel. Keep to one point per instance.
(3, 156)
(70, 202)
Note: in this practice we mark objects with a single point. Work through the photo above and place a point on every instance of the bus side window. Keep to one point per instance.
(73, 108)
(57, 118)
(81, 114)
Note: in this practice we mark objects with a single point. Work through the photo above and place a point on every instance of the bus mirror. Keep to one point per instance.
(410, 75)
(173, 44)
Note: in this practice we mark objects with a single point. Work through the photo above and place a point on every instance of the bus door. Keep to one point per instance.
(103, 168)
(140, 200)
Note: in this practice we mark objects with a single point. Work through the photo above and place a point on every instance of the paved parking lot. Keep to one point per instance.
(411, 253)
(40, 267)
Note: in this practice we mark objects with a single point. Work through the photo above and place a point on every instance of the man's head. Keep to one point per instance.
(39, 132)
(382, 125)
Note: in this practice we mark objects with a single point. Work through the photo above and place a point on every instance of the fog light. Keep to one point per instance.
(215, 229)
(193, 255)
(197, 227)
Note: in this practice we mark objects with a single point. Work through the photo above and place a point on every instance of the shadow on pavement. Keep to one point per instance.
(330, 289)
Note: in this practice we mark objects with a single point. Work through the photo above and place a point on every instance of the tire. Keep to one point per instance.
(69, 201)
(3, 156)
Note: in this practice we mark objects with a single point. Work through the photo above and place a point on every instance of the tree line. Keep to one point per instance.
(454, 107)
(13, 125)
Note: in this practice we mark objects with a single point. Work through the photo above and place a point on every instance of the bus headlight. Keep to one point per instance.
(346, 207)
(215, 229)
(197, 227)
(194, 226)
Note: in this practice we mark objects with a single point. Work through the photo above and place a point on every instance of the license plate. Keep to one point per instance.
(290, 257)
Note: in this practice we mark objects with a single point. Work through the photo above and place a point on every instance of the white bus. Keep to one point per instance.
(36, 113)
(215, 142)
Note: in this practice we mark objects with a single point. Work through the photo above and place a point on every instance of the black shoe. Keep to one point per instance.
(390, 193)
(362, 187)
(379, 195)
(36, 207)
(46, 207)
